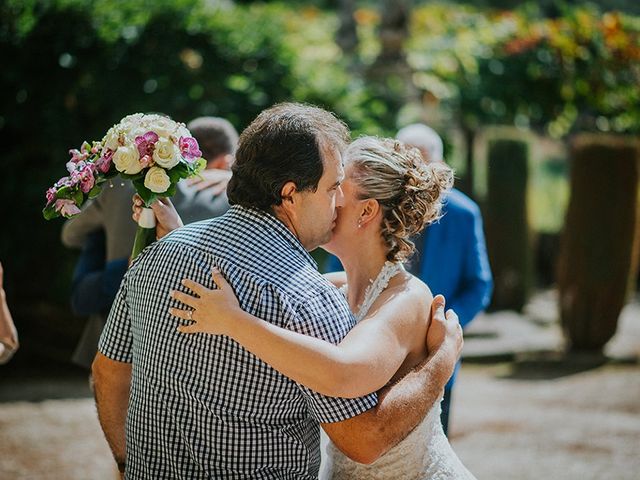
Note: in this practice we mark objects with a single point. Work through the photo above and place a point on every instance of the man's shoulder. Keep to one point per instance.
(459, 205)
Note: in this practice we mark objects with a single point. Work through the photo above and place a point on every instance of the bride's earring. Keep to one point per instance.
(360, 223)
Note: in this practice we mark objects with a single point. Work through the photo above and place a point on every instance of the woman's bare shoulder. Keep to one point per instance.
(337, 278)
(409, 294)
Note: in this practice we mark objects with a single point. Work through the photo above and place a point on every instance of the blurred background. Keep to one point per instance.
(539, 107)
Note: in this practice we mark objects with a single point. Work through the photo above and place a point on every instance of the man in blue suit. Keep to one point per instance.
(451, 255)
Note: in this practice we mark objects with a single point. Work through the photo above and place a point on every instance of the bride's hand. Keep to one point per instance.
(212, 311)
(167, 218)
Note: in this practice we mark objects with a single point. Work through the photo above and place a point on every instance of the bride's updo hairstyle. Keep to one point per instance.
(409, 192)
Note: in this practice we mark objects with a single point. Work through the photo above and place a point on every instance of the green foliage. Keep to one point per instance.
(77, 67)
(577, 72)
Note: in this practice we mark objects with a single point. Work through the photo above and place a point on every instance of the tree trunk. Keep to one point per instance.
(389, 76)
(394, 30)
(508, 237)
(597, 248)
(465, 184)
(347, 35)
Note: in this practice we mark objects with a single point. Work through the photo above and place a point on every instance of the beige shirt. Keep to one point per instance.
(111, 211)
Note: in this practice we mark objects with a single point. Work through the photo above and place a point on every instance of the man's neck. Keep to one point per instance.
(282, 215)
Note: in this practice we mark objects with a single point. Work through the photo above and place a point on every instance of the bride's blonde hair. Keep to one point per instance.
(408, 190)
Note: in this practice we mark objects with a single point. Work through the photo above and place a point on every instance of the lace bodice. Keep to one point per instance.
(377, 286)
(425, 454)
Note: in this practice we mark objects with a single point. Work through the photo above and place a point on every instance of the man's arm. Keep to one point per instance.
(111, 371)
(403, 405)
(75, 230)
(112, 383)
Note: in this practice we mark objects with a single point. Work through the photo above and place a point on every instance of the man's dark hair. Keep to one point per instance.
(216, 136)
(285, 143)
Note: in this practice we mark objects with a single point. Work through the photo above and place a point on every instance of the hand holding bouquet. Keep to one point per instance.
(151, 150)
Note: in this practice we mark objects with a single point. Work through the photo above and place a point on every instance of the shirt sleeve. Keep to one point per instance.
(116, 339)
(326, 316)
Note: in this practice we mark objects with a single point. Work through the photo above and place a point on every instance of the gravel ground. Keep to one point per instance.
(525, 413)
(581, 426)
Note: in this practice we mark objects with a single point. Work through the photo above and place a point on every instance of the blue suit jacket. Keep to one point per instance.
(452, 259)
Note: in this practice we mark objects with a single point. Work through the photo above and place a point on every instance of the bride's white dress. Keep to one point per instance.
(425, 454)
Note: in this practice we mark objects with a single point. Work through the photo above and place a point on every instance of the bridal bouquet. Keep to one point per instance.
(152, 151)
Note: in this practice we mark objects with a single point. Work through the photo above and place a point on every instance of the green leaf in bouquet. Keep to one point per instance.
(198, 166)
(171, 191)
(78, 197)
(181, 170)
(148, 197)
(95, 191)
(49, 212)
(65, 192)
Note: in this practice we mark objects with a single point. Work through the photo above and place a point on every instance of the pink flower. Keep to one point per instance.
(51, 194)
(78, 156)
(64, 182)
(67, 208)
(189, 148)
(104, 162)
(146, 143)
(146, 161)
(86, 178)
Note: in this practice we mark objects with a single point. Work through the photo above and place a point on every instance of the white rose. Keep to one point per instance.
(133, 118)
(182, 131)
(157, 180)
(110, 140)
(166, 153)
(134, 131)
(127, 160)
(164, 127)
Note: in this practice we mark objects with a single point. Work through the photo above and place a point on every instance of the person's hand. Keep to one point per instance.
(1, 277)
(212, 180)
(444, 329)
(167, 218)
(212, 312)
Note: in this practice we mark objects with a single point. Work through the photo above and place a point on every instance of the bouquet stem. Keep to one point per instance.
(146, 232)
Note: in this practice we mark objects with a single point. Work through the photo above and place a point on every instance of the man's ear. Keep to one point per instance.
(287, 192)
(370, 210)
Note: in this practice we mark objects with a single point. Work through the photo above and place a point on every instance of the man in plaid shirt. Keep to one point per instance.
(201, 406)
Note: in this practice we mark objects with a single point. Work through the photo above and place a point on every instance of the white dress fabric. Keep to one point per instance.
(425, 454)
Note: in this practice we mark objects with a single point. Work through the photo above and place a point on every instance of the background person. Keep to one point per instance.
(8, 333)
(105, 233)
(451, 254)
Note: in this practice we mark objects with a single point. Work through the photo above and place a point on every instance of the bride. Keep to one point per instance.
(389, 196)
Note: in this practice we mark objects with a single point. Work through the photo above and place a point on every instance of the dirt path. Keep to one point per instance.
(511, 421)
(537, 415)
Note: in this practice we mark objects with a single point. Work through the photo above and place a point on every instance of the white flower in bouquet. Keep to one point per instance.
(157, 180)
(111, 139)
(162, 126)
(127, 160)
(152, 151)
(166, 153)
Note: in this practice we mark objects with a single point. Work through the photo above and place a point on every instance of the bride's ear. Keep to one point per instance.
(370, 209)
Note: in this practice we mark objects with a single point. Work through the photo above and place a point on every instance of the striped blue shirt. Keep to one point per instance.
(201, 406)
